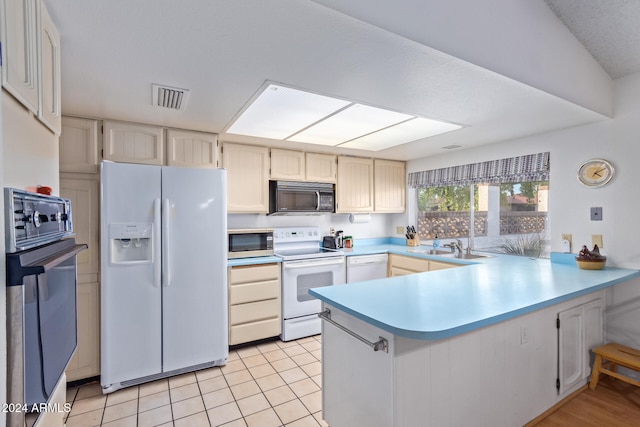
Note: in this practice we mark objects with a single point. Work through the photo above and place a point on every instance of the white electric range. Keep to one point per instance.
(305, 265)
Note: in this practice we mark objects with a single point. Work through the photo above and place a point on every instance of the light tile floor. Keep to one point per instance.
(266, 385)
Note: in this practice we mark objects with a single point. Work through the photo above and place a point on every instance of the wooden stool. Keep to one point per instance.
(614, 354)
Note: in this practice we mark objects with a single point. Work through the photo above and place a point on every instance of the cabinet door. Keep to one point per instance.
(86, 362)
(593, 331)
(437, 265)
(49, 102)
(191, 149)
(247, 178)
(79, 145)
(354, 190)
(571, 348)
(389, 186)
(321, 167)
(287, 164)
(19, 50)
(133, 143)
(85, 196)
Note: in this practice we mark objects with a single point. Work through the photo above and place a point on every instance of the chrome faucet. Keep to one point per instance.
(458, 247)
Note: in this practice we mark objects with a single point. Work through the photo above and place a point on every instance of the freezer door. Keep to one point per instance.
(194, 303)
(130, 288)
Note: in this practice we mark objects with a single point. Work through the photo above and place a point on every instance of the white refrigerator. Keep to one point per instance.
(163, 272)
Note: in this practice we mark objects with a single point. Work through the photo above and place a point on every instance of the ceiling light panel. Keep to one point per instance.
(408, 131)
(350, 123)
(279, 112)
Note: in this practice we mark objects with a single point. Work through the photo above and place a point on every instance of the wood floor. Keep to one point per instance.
(613, 403)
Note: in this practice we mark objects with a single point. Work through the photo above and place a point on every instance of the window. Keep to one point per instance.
(506, 201)
(508, 218)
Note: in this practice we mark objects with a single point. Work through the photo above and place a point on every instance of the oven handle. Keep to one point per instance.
(16, 271)
(287, 265)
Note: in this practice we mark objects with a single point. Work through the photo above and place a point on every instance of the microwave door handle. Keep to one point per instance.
(317, 200)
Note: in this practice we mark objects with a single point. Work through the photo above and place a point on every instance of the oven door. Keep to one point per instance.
(300, 276)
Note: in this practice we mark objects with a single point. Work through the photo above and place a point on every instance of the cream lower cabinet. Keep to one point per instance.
(247, 178)
(354, 189)
(389, 185)
(400, 265)
(84, 192)
(86, 361)
(254, 302)
(580, 329)
(133, 143)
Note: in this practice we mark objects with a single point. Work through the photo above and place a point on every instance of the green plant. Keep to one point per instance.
(525, 245)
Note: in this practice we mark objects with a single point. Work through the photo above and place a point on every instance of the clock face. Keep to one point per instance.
(595, 172)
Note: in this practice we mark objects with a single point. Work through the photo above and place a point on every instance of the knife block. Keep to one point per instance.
(413, 242)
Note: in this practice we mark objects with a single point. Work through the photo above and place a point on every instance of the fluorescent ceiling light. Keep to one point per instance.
(280, 112)
(417, 128)
(289, 114)
(350, 123)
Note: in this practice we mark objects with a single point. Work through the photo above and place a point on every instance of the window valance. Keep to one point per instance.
(532, 167)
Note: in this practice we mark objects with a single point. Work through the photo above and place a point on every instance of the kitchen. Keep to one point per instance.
(599, 122)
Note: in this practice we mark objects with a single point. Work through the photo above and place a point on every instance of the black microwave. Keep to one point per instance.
(251, 242)
(291, 197)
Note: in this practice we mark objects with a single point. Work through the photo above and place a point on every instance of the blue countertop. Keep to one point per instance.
(444, 303)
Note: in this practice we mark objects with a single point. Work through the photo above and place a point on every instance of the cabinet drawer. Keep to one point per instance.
(254, 331)
(251, 292)
(437, 265)
(253, 311)
(254, 273)
(408, 263)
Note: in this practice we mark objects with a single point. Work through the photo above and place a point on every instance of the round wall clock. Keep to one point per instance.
(595, 173)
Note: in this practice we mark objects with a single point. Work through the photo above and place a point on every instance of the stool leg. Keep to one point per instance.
(595, 372)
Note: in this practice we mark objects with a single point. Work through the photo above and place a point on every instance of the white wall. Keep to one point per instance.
(381, 225)
(614, 139)
(30, 149)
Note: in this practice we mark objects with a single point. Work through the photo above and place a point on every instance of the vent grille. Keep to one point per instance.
(170, 97)
(452, 147)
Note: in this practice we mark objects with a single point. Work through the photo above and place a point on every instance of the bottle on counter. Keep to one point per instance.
(436, 242)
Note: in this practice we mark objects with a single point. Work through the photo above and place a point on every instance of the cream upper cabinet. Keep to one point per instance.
(49, 102)
(247, 178)
(20, 50)
(287, 165)
(79, 145)
(191, 149)
(389, 186)
(321, 167)
(133, 143)
(354, 189)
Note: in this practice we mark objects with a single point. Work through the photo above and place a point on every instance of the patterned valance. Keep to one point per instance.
(532, 167)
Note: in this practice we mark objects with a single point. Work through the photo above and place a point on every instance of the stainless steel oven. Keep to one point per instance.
(41, 298)
(250, 242)
(305, 265)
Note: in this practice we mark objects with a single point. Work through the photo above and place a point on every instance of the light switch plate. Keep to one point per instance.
(399, 229)
(596, 214)
(596, 239)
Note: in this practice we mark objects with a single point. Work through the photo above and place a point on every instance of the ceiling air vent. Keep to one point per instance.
(451, 147)
(170, 97)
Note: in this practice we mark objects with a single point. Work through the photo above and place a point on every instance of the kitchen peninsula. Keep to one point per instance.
(476, 345)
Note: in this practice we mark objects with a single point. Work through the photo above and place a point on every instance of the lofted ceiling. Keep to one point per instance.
(224, 51)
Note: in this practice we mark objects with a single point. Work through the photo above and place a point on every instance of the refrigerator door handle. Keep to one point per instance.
(157, 264)
(165, 244)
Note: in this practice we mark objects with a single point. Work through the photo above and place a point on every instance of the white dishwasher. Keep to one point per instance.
(366, 267)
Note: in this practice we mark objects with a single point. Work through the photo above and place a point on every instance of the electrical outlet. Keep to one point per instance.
(400, 229)
(332, 231)
(567, 237)
(596, 239)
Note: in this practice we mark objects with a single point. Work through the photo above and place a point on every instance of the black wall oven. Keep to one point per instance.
(41, 298)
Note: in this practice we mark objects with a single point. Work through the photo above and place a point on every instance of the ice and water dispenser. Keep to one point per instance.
(131, 242)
